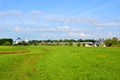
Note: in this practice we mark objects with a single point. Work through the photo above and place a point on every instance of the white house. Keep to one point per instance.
(26, 40)
(100, 43)
(18, 40)
(87, 44)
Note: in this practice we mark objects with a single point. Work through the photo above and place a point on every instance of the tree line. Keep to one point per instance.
(68, 41)
(114, 42)
(110, 42)
(6, 41)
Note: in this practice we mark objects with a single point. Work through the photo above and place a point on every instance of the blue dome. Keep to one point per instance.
(18, 38)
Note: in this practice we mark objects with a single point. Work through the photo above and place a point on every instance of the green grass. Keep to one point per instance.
(60, 63)
(12, 48)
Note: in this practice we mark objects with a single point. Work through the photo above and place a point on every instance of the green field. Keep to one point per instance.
(59, 63)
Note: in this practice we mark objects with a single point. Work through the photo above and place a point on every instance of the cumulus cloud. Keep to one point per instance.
(35, 12)
(64, 28)
(112, 34)
(14, 12)
(2, 13)
(111, 24)
(17, 28)
(85, 20)
(76, 34)
(75, 20)
(10, 12)
(66, 20)
(35, 15)
(20, 13)
(21, 16)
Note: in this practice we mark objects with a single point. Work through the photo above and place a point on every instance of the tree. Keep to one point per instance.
(114, 41)
(83, 45)
(80, 40)
(6, 41)
(78, 44)
(108, 42)
(34, 42)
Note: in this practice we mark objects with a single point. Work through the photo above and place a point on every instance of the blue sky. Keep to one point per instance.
(59, 19)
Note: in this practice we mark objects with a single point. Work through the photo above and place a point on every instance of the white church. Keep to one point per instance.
(19, 40)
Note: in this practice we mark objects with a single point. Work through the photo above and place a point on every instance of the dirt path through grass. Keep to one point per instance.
(14, 52)
(31, 72)
(17, 66)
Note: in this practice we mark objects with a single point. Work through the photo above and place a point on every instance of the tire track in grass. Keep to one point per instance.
(26, 68)
(22, 67)
(29, 67)
(50, 68)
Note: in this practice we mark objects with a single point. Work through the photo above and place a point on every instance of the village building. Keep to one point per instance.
(19, 40)
(100, 43)
(87, 44)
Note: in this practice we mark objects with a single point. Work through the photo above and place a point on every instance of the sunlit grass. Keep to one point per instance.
(60, 63)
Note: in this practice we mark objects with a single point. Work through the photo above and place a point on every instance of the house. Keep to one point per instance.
(87, 44)
(75, 43)
(100, 43)
(26, 40)
(18, 40)
(62, 43)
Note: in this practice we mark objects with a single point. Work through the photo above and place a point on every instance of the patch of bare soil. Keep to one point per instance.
(14, 52)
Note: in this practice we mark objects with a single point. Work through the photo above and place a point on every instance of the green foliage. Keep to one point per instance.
(83, 45)
(70, 43)
(49, 41)
(78, 44)
(102, 45)
(86, 40)
(34, 42)
(112, 42)
(6, 42)
(108, 42)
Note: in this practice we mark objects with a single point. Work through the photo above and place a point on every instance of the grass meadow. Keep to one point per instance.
(59, 63)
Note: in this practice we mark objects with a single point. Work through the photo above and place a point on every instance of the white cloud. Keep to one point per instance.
(34, 15)
(10, 12)
(111, 34)
(99, 28)
(76, 34)
(17, 28)
(64, 27)
(14, 12)
(35, 12)
(85, 20)
(2, 14)
(75, 20)
(109, 24)
(66, 20)
(20, 13)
